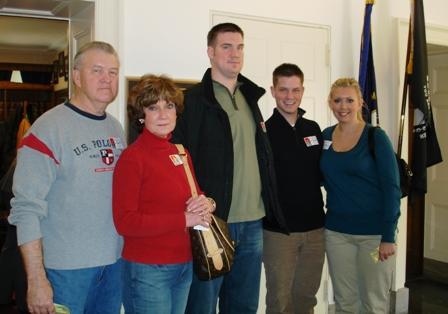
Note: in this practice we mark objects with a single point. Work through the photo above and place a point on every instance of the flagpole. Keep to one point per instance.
(403, 113)
(405, 92)
(377, 114)
(366, 76)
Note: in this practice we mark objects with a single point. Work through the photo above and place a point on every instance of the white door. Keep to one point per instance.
(436, 205)
(267, 44)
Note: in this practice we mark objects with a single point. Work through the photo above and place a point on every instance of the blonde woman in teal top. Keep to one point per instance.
(363, 205)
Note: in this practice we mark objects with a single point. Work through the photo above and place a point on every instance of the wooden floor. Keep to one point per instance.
(427, 297)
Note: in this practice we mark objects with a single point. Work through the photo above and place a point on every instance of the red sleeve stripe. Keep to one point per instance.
(34, 143)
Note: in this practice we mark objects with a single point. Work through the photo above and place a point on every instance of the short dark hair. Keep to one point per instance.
(148, 91)
(288, 70)
(222, 28)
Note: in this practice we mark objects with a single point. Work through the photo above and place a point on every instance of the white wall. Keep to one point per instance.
(169, 37)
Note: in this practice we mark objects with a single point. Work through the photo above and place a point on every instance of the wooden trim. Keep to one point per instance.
(183, 84)
(24, 86)
(26, 67)
(131, 81)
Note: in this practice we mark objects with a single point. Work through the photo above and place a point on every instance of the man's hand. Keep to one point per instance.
(40, 296)
(40, 293)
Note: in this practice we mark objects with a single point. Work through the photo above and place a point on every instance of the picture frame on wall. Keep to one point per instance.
(66, 66)
(55, 74)
(131, 82)
(61, 60)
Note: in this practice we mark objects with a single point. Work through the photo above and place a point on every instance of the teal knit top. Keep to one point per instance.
(363, 193)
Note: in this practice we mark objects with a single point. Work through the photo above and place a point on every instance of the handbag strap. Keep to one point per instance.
(214, 252)
(223, 235)
(183, 155)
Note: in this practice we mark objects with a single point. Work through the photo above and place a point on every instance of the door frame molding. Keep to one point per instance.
(213, 13)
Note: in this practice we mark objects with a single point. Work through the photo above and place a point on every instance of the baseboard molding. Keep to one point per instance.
(435, 270)
(399, 301)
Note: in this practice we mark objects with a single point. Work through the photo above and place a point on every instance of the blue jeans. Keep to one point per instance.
(158, 289)
(239, 290)
(88, 290)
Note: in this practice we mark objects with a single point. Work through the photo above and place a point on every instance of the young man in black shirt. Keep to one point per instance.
(294, 262)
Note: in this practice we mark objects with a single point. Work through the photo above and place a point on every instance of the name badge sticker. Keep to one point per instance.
(176, 159)
(311, 141)
(327, 144)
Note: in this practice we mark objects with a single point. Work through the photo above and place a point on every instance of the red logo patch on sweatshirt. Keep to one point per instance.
(107, 155)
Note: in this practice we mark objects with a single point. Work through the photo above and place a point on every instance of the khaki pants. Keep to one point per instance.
(361, 282)
(293, 266)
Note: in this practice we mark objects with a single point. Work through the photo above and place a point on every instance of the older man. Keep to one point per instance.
(62, 194)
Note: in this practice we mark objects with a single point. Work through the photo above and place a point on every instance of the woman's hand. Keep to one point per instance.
(385, 250)
(199, 211)
(201, 204)
(194, 219)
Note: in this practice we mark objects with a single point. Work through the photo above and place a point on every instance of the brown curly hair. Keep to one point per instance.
(148, 91)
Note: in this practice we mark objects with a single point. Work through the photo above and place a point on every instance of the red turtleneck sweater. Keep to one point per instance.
(149, 196)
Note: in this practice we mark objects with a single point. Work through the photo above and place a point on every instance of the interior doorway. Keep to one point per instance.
(435, 249)
(38, 40)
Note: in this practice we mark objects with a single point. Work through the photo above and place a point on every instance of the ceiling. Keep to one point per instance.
(38, 26)
(32, 33)
(49, 8)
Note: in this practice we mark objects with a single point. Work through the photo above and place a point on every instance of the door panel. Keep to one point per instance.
(436, 216)
(268, 43)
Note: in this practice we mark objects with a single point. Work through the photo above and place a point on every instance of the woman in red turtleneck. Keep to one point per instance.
(153, 207)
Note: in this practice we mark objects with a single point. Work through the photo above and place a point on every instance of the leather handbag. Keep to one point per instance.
(212, 248)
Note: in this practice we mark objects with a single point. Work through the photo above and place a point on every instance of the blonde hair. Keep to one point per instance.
(348, 82)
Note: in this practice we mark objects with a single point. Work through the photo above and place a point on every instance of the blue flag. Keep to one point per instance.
(366, 68)
(425, 147)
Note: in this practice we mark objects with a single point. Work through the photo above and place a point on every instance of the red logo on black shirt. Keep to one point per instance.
(107, 155)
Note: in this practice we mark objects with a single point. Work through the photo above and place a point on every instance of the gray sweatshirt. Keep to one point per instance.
(63, 188)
